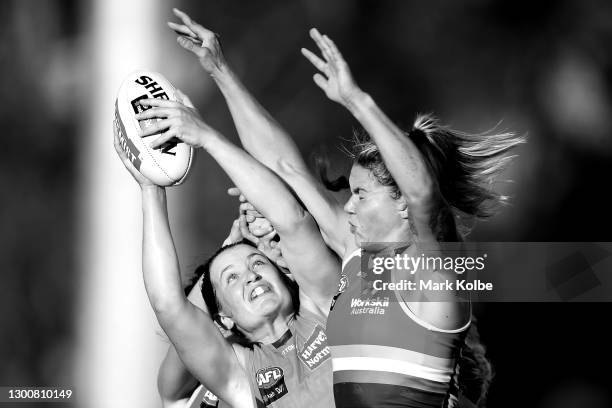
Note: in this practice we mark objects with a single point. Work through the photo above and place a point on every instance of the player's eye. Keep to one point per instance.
(258, 263)
(360, 193)
(231, 277)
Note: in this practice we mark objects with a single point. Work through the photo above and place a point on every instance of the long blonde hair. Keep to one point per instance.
(464, 167)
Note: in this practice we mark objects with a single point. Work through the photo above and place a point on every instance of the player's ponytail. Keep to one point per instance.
(464, 165)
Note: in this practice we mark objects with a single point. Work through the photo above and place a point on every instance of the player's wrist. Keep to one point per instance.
(222, 74)
(151, 189)
(208, 138)
(355, 98)
(357, 101)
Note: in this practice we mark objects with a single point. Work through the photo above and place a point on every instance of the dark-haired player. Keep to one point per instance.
(282, 358)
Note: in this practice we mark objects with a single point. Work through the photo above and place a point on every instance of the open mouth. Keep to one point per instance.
(259, 291)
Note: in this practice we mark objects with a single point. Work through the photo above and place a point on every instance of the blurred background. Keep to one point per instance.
(72, 305)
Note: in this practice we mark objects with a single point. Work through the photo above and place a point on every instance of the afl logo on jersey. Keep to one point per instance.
(209, 400)
(271, 383)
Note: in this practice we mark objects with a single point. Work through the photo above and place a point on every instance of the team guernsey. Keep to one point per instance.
(295, 371)
(385, 356)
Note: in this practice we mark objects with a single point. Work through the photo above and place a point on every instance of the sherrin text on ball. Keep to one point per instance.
(170, 163)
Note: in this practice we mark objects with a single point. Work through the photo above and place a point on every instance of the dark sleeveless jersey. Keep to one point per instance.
(383, 355)
(295, 371)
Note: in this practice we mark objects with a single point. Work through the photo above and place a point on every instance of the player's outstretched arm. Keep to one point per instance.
(258, 131)
(174, 381)
(314, 267)
(401, 157)
(192, 332)
(399, 153)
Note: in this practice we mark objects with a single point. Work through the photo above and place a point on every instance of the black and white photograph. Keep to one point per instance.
(306, 204)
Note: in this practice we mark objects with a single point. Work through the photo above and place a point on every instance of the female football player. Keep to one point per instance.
(408, 188)
(280, 357)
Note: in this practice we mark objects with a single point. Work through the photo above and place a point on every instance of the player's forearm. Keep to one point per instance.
(260, 186)
(257, 129)
(174, 381)
(159, 261)
(399, 153)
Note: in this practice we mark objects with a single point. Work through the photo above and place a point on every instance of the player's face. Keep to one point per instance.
(249, 287)
(374, 216)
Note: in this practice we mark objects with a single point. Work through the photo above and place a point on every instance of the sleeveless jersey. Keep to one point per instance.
(383, 355)
(294, 371)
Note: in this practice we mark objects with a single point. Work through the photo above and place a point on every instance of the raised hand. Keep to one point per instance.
(336, 81)
(200, 41)
(256, 224)
(257, 229)
(179, 120)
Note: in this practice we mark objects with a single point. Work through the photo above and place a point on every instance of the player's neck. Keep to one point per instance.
(272, 330)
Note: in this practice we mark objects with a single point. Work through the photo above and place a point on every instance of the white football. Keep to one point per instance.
(167, 165)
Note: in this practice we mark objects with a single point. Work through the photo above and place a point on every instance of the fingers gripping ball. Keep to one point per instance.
(167, 165)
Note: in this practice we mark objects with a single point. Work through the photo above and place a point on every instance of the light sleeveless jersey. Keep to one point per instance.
(385, 356)
(295, 371)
